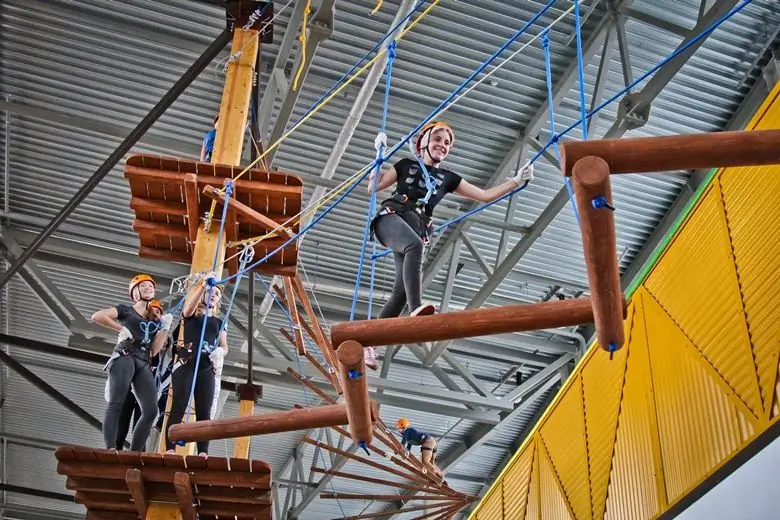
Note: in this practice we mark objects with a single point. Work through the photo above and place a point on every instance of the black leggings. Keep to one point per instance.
(130, 411)
(407, 249)
(181, 381)
(124, 372)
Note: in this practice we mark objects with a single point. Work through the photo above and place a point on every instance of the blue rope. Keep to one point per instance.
(580, 71)
(465, 82)
(551, 113)
(359, 63)
(536, 156)
(377, 173)
(228, 192)
(599, 108)
(302, 231)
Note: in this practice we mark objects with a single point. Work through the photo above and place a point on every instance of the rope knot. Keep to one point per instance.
(546, 38)
(391, 50)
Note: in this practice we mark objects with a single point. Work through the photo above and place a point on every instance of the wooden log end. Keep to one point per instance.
(350, 354)
(591, 171)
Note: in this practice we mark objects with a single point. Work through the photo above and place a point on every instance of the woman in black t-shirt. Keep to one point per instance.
(403, 223)
(142, 329)
(197, 308)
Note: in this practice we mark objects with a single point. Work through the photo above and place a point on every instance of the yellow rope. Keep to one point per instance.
(336, 92)
(302, 39)
(378, 7)
(324, 102)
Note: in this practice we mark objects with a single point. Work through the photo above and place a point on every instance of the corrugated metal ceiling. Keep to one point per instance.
(92, 69)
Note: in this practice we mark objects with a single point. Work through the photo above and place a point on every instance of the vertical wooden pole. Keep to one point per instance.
(227, 150)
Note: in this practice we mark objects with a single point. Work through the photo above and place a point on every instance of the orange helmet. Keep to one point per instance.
(138, 279)
(401, 423)
(425, 134)
(155, 304)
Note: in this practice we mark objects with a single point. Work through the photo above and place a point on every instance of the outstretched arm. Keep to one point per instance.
(468, 190)
(386, 179)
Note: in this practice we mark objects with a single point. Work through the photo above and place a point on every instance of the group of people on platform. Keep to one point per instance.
(139, 379)
(138, 383)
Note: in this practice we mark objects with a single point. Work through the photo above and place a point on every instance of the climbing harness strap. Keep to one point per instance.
(399, 204)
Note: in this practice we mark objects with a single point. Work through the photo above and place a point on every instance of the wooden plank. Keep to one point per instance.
(183, 486)
(135, 484)
(163, 207)
(255, 217)
(257, 188)
(242, 444)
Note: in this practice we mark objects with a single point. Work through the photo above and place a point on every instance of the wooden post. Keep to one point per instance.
(211, 244)
(247, 394)
(274, 422)
(593, 191)
(465, 324)
(677, 152)
(353, 373)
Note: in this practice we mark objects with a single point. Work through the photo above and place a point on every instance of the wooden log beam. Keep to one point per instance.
(677, 152)
(465, 324)
(353, 374)
(593, 191)
(378, 481)
(391, 498)
(184, 495)
(275, 422)
(296, 319)
(135, 484)
(193, 205)
(258, 218)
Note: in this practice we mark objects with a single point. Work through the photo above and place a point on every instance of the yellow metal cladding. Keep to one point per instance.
(697, 380)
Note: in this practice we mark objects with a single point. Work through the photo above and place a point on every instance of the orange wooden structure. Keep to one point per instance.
(124, 485)
(171, 196)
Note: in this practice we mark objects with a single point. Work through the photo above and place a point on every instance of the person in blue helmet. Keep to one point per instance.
(208, 142)
(414, 437)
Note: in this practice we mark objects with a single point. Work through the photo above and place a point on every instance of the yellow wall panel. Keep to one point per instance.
(696, 282)
(698, 420)
(602, 387)
(554, 504)
(533, 511)
(750, 196)
(493, 506)
(633, 489)
(564, 437)
(697, 380)
(516, 485)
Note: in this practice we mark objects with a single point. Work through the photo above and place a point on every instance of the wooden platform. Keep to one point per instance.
(168, 210)
(120, 485)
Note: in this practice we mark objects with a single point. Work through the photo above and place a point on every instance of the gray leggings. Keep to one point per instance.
(407, 249)
(124, 372)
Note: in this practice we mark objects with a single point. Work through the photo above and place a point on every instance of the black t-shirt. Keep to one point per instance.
(411, 182)
(193, 327)
(142, 330)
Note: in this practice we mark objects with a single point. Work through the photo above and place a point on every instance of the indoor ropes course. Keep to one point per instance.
(261, 216)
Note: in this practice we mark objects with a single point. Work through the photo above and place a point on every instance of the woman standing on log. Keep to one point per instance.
(404, 222)
(142, 331)
(200, 309)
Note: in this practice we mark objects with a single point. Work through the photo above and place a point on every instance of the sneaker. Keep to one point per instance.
(369, 356)
(425, 309)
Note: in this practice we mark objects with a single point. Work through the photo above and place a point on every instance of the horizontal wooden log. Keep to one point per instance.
(465, 324)
(677, 152)
(165, 475)
(354, 378)
(275, 422)
(174, 177)
(592, 183)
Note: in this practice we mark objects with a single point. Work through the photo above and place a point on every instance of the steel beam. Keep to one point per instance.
(167, 100)
(49, 294)
(49, 390)
(320, 28)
